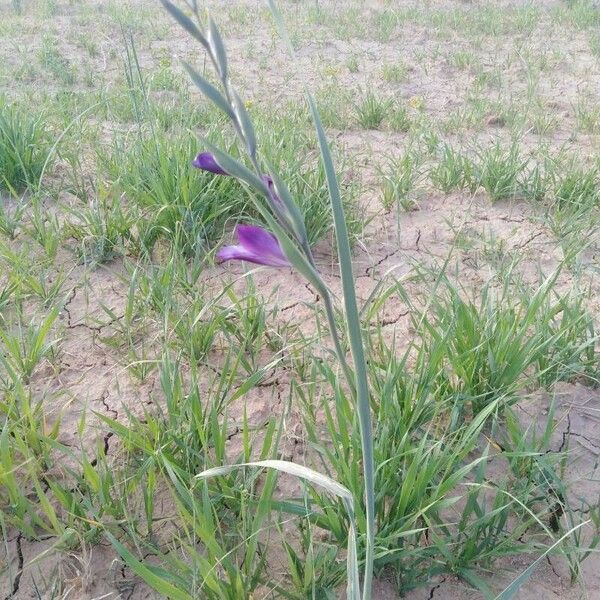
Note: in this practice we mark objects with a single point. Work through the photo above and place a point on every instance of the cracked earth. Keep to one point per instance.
(92, 377)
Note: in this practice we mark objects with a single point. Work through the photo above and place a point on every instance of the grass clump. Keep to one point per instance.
(587, 114)
(335, 105)
(25, 148)
(452, 171)
(52, 60)
(372, 110)
(394, 72)
(577, 188)
(500, 172)
(494, 344)
(398, 180)
(193, 209)
(102, 229)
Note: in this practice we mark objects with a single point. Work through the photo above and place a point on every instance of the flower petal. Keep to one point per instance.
(257, 246)
(207, 162)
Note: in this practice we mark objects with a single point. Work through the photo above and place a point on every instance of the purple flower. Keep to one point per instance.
(256, 246)
(275, 199)
(207, 162)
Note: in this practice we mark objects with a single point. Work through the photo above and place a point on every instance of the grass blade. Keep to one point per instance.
(509, 592)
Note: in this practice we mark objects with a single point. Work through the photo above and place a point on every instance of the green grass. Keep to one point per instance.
(594, 42)
(195, 209)
(25, 148)
(394, 72)
(53, 61)
(101, 230)
(500, 171)
(130, 363)
(398, 180)
(453, 171)
(587, 114)
(371, 111)
(188, 207)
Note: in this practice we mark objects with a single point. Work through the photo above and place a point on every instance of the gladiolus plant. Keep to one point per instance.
(285, 244)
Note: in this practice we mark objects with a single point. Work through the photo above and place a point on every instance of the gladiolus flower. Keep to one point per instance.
(257, 245)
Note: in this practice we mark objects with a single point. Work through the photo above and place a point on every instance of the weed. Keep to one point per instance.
(577, 187)
(572, 353)
(394, 72)
(371, 111)
(587, 114)
(11, 219)
(46, 230)
(398, 180)
(89, 45)
(335, 105)
(500, 172)
(492, 344)
(27, 345)
(352, 64)
(594, 42)
(384, 24)
(51, 59)
(454, 171)
(462, 59)
(178, 202)
(25, 148)
(399, 118)
(101, 229)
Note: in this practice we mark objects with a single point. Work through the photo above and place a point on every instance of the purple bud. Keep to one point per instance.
(275, 199)
(207, 162)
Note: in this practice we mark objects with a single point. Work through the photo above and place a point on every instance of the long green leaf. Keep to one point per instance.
(210, 91)
(218, 48)
(315, 478)
(243, 120)
(185, 22)
(356, 343)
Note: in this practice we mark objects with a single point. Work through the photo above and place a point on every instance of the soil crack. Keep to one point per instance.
(370, 269)
(20, 563)
(529, 240)
(393, 320)
(435, 588)
(565, 434)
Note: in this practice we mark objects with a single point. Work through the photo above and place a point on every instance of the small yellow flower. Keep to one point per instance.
(332, 71)
(248, 104)
(417, 102)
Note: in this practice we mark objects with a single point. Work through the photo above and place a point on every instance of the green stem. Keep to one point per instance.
(336, 340)
(327, 302)
(333, 328)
